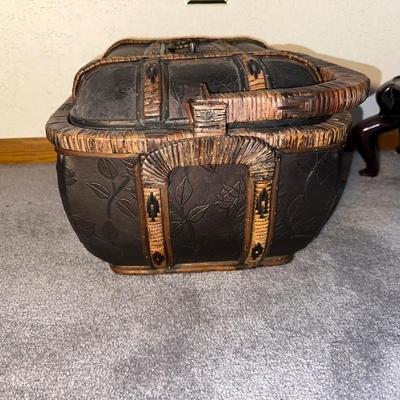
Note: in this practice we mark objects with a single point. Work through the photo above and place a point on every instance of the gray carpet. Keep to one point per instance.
(326, 326)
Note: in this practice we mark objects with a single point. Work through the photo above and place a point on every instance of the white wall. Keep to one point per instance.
(44, 42)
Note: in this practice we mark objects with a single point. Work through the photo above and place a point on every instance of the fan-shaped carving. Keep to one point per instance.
(256, 154)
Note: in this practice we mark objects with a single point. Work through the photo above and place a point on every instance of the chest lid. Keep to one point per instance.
(152, 85)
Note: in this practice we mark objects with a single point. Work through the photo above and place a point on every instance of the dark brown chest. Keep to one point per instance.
(202, 154)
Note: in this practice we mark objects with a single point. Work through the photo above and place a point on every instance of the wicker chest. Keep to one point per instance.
(202, 154)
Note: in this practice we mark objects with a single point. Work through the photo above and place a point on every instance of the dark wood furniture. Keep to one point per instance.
(198, 154)
(365, 134)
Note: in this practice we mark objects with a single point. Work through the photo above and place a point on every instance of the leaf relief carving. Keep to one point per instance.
(131, 192)
(176, 228)
(130, 166)
(241, 212)
(99, 190)
(183, 191)
(197, 213)
(107, 168)
(178, 94)
(126, 207)
(83, 227)
(228, 198)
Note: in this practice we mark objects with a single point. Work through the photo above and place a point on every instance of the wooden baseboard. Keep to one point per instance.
(26, 150)
(389, 140)
(40, 150)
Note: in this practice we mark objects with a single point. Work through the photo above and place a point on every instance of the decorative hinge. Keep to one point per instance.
(153, 207)
(262, 204)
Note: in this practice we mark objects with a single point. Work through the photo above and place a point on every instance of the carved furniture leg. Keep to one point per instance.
(365, 135)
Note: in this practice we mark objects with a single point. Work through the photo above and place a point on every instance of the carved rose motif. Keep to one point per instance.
(228, 199)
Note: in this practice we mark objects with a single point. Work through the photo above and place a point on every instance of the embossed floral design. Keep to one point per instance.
(107, 197)
(84, 227)
(106, 238)
(130, 166)
(194, 215)
(178, 94)
(319, 174)
(112, 192)
(180, 216)
(222, 85)
(200, 228)
(183, 191)
(299, 221)
(126, 207)
(228, 199)
(107, 168)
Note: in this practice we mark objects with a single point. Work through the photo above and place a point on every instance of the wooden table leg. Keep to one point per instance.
(365, 135)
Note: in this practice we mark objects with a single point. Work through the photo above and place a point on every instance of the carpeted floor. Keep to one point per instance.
(326, 326)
